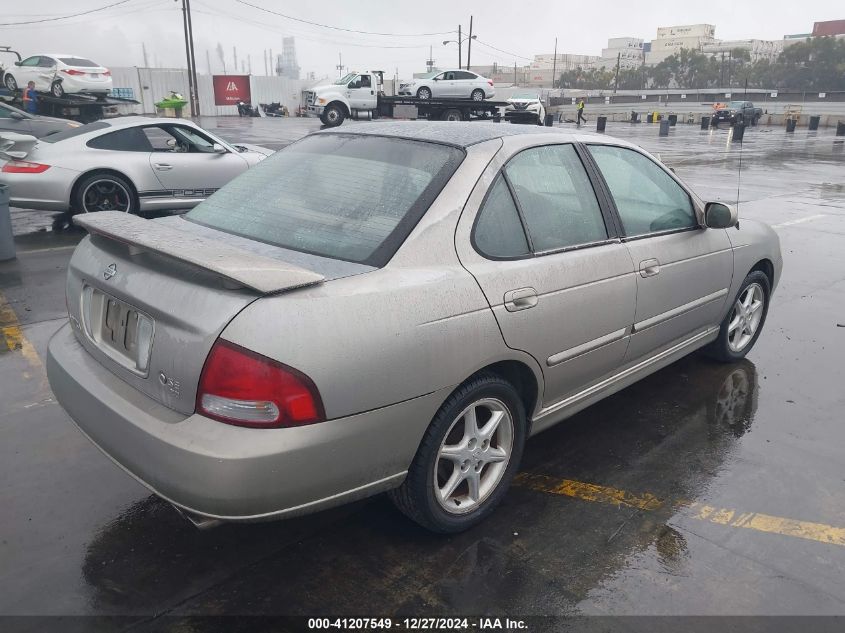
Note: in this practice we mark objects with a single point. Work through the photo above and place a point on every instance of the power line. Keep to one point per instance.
(65, 17)
(338, 28)
(478, 41)
(214, 12)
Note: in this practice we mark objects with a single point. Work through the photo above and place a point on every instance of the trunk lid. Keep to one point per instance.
(148, 299)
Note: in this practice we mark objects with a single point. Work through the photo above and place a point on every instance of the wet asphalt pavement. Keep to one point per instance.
(704, 489)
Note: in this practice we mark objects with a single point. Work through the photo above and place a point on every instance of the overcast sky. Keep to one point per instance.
(113, 37)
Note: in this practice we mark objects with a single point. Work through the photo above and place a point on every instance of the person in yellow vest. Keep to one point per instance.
(581, 116)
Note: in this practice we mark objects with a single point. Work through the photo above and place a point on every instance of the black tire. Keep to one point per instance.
(104, 192)
(416, 496)
(56, 89)
(10, 83)
(333, 116)
(477, 95)
(721, 348)
(452, 114)
(424, 93)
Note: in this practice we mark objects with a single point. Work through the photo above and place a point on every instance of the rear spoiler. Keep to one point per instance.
(22, 144)
(258, 272)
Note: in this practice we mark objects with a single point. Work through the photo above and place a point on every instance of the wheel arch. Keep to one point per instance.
(100, 170)
(527, 381)
(766, 267)
(342, 105)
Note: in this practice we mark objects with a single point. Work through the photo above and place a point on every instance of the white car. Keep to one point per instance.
(525, 107)
(59, 74)
(450, 84)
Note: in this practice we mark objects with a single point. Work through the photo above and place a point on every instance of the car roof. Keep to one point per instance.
(459, 134)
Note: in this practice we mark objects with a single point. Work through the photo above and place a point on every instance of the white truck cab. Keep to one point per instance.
(354, 92)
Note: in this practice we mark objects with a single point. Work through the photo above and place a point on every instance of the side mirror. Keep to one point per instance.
(16, 115)
(436, 78)
(218, 148)
(720, 216)
(17, 63)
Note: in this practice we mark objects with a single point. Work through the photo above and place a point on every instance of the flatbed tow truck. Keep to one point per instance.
(84, 108)
(364, 92)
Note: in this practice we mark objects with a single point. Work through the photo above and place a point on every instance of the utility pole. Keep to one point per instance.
(249, 63)
(514, 74)
(208, 61)
(192, 61)
(430, 61)
(554, 65)
(616, 80)
(722, 71)
(459, 47)
(188, 55)
(235, 55)
(339, 65)
(730, 68)
(469, 42)
(144, 50)
(272, 64)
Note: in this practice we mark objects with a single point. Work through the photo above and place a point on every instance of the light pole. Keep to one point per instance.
(460, 42)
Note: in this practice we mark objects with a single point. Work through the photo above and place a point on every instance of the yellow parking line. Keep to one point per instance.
(820, 532)
(14, 338)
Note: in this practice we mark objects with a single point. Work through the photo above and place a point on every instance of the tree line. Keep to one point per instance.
(814, 65)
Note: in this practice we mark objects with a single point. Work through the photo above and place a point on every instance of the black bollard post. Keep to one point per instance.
(705, 122)
(673, 120)
(840, 128)
(814, 123)
(790, 125)
(549, 120)
(601, 123)
(738, 132)
(664, 128)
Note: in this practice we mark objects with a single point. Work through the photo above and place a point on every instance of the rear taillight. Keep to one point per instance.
(23, 167)
(490, 82)
(241, 387)
(71, 71)
(106, 73)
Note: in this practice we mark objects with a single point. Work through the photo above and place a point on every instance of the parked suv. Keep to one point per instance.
(450, 84)
(738, 112)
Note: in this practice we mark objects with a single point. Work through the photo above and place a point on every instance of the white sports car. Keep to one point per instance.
(59, 74)
(132, 164)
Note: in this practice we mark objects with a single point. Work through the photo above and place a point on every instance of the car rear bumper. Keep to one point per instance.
(232, 473)
(47, 191)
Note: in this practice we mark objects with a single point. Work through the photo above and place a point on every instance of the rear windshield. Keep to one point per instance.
(75, 131)
(78, 61)
(348, 197)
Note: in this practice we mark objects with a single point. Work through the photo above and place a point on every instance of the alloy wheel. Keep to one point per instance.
(473, 456)
(106, 195)
(746, 315)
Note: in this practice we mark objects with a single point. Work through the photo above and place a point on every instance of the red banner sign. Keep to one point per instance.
(231, 89)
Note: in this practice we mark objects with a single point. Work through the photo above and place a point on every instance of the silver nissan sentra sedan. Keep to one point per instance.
(394, 307)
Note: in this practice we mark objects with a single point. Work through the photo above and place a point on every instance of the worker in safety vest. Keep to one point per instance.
(581, 116)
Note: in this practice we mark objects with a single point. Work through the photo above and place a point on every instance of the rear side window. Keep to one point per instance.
(556, 198)
(647, 198)
(131, 139)
(498, 230)
(344, 196)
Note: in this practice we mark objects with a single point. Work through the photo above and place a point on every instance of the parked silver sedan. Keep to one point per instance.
(130, 165)
(394, 307)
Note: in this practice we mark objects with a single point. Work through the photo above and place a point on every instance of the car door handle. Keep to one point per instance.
(649, 268)
(520, 299)
(163, 166)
